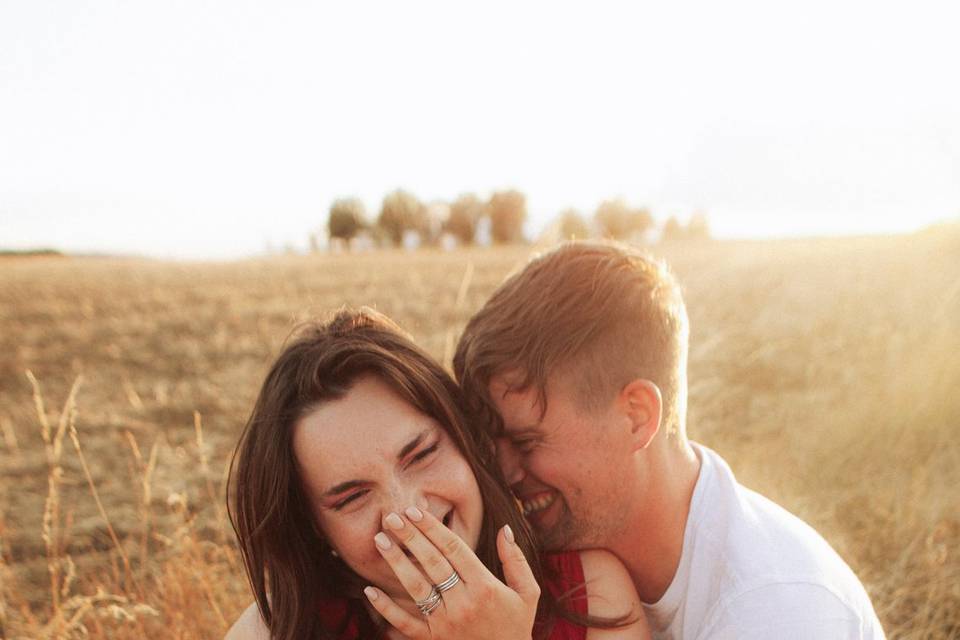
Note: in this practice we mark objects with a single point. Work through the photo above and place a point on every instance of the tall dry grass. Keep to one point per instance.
(176, 592)
(824, 371)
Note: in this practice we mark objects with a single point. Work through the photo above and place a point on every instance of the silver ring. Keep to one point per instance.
(431, 602)
(426, 611)
(449, 583)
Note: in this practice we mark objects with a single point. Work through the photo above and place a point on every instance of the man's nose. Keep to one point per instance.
(510, 461)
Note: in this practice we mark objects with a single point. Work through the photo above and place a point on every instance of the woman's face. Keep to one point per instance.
(369, 454)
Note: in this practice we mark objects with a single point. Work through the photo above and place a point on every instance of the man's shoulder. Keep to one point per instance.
(746, 528)
(791, 610)
(762, 558)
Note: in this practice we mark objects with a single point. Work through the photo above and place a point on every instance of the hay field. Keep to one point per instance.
(827, 372)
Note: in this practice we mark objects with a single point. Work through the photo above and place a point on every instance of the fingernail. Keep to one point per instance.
(394, 521)
(414, 514)
(508, 534)
(382, 540)
(371, 593)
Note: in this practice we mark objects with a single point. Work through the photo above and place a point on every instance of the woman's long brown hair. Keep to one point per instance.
(288, 561)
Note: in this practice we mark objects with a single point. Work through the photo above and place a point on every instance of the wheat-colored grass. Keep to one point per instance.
(825, 371)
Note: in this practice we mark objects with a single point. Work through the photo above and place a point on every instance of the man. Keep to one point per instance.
(581, 360)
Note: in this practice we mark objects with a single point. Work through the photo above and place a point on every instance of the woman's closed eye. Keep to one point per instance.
(350, 498)
(425, 453)
(419, 457)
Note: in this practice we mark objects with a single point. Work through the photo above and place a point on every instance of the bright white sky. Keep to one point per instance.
(190, 128)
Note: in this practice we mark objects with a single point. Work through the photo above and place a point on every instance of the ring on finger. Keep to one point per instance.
(431, 602)
(449, 583)
(426, 611)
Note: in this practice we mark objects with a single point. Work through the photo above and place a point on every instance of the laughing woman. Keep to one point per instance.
(367, 505)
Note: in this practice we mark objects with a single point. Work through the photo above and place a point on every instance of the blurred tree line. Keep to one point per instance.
(403, 220)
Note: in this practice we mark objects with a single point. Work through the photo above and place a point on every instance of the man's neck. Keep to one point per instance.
(652, 543)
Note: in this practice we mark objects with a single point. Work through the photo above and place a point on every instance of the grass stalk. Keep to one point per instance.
(53, 446)
(74, 437)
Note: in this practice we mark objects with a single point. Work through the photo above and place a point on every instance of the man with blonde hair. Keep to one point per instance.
(579, 360)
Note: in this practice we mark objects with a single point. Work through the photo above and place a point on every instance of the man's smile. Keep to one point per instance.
(536, 502)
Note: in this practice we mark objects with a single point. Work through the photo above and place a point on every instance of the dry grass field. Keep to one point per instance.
(827, 372)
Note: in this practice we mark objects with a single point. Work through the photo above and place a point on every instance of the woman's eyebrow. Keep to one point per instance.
(343, 486)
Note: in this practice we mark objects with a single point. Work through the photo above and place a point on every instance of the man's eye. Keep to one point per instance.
(525, 444)
(353, 496)
(423, 454)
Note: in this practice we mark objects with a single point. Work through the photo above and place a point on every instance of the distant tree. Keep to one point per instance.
(618, 221)
(402, 212)
(672, 230)
(508, 211)
(465, 213)
(31, 252)
(698, 227)
(611, 218)
(642, 221)
(347, 218)
(572, 225)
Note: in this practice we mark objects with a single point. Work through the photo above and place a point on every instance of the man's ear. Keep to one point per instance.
(641, 402)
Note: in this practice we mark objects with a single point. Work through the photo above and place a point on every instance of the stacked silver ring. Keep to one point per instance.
(431, 602)
(449, 583)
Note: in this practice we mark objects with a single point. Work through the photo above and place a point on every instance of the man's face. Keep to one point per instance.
(566, 466)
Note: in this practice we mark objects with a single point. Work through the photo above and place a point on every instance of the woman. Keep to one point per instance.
(358, 485)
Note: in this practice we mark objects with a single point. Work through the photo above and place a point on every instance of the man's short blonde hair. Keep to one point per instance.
(603, 314)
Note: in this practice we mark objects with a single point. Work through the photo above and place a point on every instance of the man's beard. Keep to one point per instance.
(569, 532)
(598, 529)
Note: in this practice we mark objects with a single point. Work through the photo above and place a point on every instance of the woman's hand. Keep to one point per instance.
(479, 606)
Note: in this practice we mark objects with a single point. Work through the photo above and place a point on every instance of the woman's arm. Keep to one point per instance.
(249, 626)
(610, 593)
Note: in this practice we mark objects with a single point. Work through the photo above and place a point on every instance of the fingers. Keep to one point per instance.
(516, 570)
(407, 573)
(409, 625)
(460, 556)
(433, 562)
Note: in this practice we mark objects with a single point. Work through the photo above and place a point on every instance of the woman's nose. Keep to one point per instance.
(405, 495)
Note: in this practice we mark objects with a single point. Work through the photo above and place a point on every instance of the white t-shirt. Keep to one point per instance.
(750, 569)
